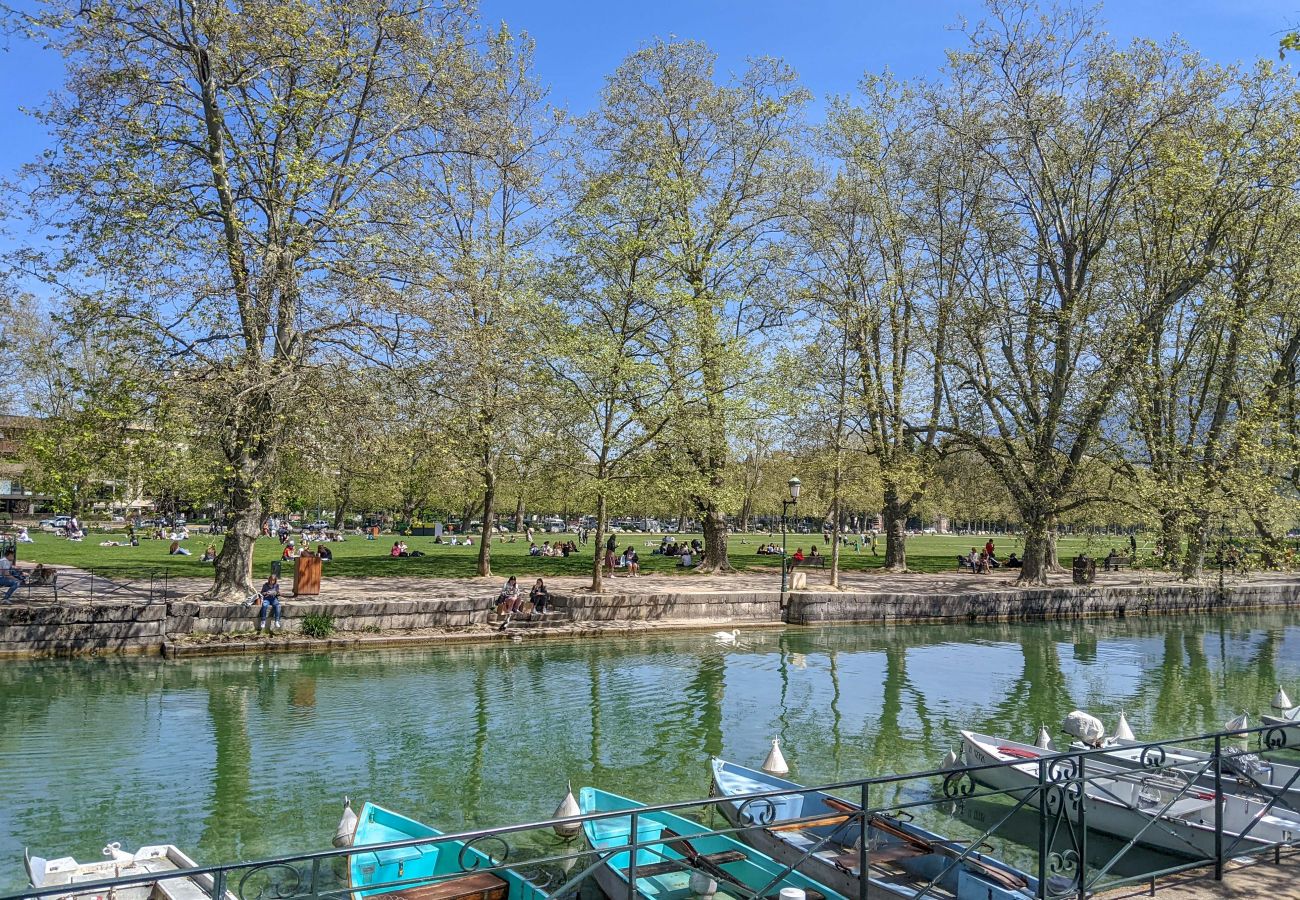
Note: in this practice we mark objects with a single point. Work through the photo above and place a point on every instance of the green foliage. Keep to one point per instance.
(317, 625)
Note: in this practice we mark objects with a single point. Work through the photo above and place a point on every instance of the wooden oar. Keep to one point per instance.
(811, 823)
(993, 873)
(682, 845)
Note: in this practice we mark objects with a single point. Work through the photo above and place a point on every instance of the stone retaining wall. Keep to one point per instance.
(1042, 603)
(140, 627)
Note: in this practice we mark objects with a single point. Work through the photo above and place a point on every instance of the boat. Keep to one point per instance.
(902, 858)
(1155, 809)
(1242, 772)
(159, 859)
(443, 870)
(679, 859)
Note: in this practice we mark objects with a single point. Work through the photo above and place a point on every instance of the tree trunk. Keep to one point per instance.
(1053, 561)
(1197, 532)
(341, 501)
(234, 566)
(489, 512)
(715, 540)
(835, 540)
(598, 558)
(745, 511)
(895, 517)
(1034, 568)
(519, 514)
(1170, 539)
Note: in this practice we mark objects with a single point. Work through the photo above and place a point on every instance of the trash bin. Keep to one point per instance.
(306, 576)
(1085, 569)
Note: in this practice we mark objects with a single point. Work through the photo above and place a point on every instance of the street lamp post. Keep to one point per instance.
(794, 485)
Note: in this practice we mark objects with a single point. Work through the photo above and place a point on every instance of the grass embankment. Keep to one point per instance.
(357, 557)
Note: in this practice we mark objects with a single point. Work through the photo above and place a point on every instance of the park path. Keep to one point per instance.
(875, 582)
(1256, 879)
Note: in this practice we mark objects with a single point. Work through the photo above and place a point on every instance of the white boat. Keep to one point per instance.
(1156, 809)
(902, 858)
(1242, 772)
(159, 859)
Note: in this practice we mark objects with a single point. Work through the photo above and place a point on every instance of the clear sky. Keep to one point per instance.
(829, 42)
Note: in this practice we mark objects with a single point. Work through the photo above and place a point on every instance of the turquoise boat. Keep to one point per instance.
(679, 858)
(438, 871)
(902, 858)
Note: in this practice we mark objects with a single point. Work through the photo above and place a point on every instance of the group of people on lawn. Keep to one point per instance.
(983, 562)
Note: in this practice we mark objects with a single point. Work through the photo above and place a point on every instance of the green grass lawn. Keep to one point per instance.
(359, 557)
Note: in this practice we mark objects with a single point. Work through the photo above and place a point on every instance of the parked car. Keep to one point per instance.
(57, 523)
(318, 525)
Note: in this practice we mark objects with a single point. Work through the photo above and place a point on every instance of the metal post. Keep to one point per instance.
(862, 846)
(218, 884)
(1083, 828)
(1218, 807)
(783, 560)
(1043, 849)
(631, 865)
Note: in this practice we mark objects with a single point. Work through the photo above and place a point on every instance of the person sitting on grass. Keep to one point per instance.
(325, 553)
(24, 537)
(397, 550)
(177, 550)
(209, 554)
(1013, 561)
(270, 594)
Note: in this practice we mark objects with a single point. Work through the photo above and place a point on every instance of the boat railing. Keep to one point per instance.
(1052, 825)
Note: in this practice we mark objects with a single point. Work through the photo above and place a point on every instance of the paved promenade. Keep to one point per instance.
(942, 584)
(1259, 879)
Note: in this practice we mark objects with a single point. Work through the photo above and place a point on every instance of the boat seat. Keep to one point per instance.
(673, 865)
(181, 889)
(477, 886)
(891, 854)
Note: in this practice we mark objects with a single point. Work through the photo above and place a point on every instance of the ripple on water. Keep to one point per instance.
(245, 757)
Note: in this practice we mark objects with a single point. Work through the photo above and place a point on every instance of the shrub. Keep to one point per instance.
(317, 625)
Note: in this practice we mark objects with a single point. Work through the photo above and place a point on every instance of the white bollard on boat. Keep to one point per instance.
(775, 763)
(1281, 700)
(1241, 723)
(347, 825)
(1044, 741)
(568, 807)
(1122, 731)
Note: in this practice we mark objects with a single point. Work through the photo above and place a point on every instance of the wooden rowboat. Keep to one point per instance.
(437, 871)
(678, 859)
(162, 860)
(902, 859)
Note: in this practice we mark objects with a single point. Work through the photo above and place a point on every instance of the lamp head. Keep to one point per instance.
(795, 485)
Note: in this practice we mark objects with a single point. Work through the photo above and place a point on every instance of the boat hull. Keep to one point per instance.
(670, 880)
(962, 880)
(1127, 804)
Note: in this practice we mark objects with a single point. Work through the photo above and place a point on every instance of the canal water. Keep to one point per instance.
(245, 757)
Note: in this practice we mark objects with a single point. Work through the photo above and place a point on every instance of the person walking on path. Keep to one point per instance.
(270, 600)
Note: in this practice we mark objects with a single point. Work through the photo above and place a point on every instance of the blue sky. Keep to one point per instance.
(829, 42)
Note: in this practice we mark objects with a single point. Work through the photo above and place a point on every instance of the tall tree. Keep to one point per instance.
(493, 194)
(229, 174)
(719, 162)
(1068, 128)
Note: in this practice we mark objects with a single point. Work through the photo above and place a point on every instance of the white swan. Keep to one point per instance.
(726, 637)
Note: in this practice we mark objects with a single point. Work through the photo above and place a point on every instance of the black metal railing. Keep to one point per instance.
(1069, 824)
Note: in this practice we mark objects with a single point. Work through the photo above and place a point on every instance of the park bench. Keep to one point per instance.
(49, 581)
(810, 562)
(1115, 563)
(963, 564)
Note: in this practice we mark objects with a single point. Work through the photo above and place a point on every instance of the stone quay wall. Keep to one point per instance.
(133, 626)
(1093, 601)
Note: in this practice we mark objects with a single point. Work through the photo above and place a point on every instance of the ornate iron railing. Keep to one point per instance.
(1072, 823)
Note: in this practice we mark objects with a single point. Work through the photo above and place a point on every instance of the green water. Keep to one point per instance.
(245, 757)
